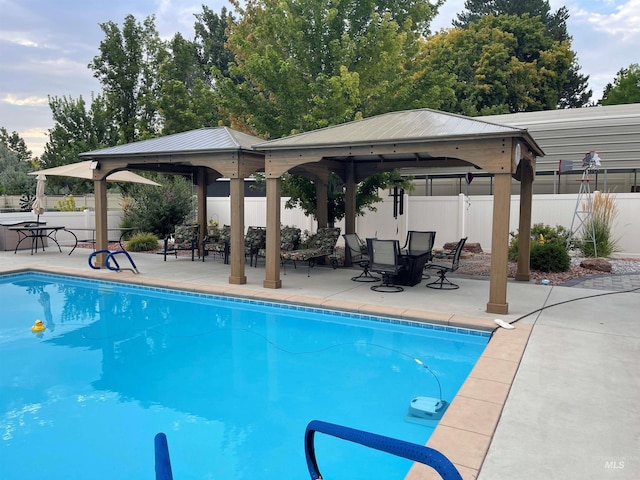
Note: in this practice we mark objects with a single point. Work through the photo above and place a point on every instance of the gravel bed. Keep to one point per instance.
(479, 265)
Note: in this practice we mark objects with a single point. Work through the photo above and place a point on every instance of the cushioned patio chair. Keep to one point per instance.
(185, 237)
(289, 241)
(443, 283)
(321, 245)
(218, 243)
(254, 240)
(384, 255)
(359, 255)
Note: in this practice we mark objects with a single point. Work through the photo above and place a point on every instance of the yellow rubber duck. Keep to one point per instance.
(38, 326)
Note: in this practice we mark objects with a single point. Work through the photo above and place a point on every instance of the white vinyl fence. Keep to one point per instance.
(451, 217)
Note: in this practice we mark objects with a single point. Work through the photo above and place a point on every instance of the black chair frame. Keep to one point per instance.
(357, 256)
(413, 246)
(442, 282)
(386, 269)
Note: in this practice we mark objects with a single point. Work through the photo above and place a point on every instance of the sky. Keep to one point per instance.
(45, 47)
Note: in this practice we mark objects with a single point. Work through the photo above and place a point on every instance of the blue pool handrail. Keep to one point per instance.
(111, 257)
(163, 462)
(411, 451)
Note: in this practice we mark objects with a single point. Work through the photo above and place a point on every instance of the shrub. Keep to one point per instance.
(143, 242)
(159, 209)
(557, 235)
(550, 257)
(597, 227)
(67, 204)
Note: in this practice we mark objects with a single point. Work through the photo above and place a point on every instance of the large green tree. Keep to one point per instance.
(304, 64)
(14, 142)
(502, 64)
(127, 68)
(13, 171)
(77, 128)
(210, 40)
(625, 87)
(187, 100)
(573, 92)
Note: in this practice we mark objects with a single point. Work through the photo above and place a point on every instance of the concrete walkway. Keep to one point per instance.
(565, 408)
(614, 282)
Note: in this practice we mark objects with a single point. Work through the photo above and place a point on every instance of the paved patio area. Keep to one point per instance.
(556, 397)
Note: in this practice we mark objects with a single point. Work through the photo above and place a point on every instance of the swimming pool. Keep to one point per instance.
(232, 383)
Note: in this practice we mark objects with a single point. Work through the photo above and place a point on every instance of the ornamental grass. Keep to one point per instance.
(596, 236)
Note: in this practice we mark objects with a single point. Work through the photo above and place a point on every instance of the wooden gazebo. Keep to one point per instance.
(414, 138)
(206, 154)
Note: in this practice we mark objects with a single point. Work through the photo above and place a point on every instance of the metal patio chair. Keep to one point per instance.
(384, 255)
(443, 283)
(358, 250)
(419, 243)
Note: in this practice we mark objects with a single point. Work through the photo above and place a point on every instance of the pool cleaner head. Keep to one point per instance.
(426, 408)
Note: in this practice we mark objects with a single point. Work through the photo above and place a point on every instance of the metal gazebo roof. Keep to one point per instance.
(202, 140)
(409, 126)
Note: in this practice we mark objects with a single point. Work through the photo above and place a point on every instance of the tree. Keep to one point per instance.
(210, 39)
(13, 171)
(502, 64)
(15, 143)
(127, 68)
(302, 193)
(625, 87)
(573, 93)
(305, 64)
(187, 101)
(556, 22)
(76, 129)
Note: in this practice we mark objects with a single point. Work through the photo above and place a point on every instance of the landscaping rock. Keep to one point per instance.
(599, 264)
(468, 247)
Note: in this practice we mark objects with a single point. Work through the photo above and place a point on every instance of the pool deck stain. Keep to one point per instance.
(483, 418)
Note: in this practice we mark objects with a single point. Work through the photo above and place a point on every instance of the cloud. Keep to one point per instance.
(624, 21)
(32, 101)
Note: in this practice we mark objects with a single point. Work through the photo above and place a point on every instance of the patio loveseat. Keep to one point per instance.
(320, 245)
(289, 240)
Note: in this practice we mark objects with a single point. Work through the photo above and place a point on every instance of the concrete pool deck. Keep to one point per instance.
(556, 397)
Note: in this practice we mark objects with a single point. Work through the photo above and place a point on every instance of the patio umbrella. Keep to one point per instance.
(39, 203)
(83, 170)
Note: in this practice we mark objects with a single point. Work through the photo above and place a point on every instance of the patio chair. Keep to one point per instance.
(443, 283)
(358, 250)
(384, 255)
(254, 240)
(289, 241)
(218, 243)
(185, 237)
(322, 244)
(418, 243)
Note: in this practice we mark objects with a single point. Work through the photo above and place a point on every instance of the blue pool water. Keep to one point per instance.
(232, 383)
